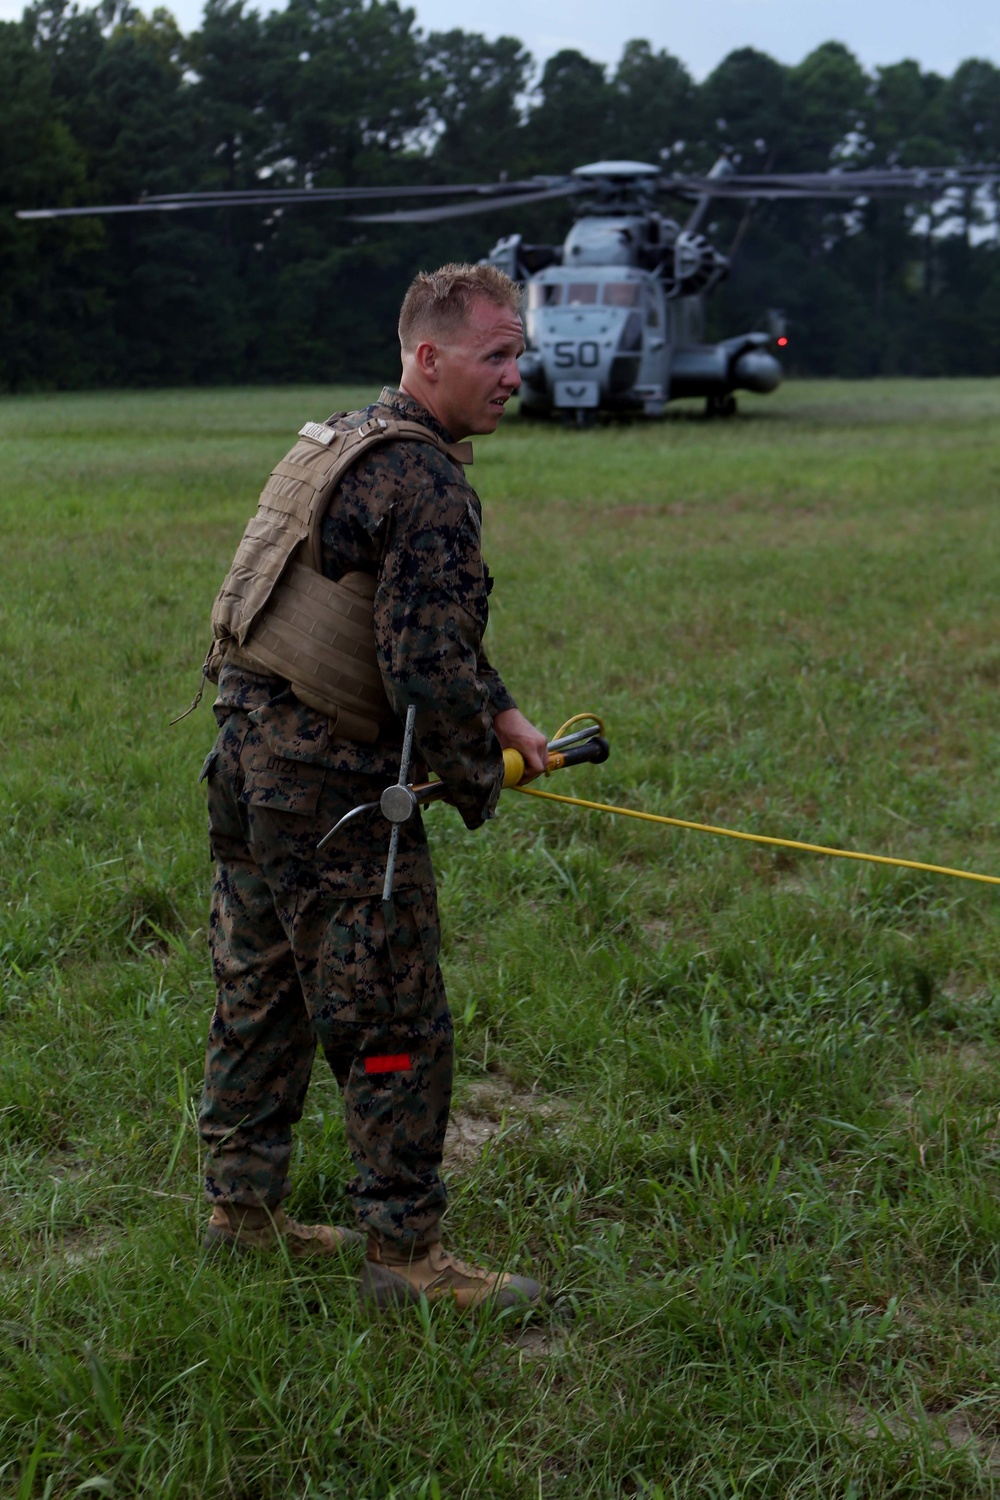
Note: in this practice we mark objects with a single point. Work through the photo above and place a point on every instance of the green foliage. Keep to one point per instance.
(656, 104)
(746, 100)
(830, 98)
(45, 303)
(476, 88)
(736, 1106)
(571, 116)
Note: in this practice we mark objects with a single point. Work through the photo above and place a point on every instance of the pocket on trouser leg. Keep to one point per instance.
(281, 785)
(343, 964)
(413, 943)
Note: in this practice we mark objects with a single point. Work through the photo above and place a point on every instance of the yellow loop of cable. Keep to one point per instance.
(755, 838)
(576, 719)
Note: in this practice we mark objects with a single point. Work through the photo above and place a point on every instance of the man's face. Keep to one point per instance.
(477, 370)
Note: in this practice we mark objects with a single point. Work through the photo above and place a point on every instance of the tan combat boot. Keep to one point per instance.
(394, 1276)
(239, 1228)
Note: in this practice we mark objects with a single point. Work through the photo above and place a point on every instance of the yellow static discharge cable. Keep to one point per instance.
(753, 838)
(760, 838)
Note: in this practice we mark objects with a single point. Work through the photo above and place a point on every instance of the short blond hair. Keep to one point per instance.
(438, 302)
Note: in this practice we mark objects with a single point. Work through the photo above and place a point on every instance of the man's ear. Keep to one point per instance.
(426, 359)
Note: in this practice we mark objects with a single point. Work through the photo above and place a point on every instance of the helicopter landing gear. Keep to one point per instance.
(720, 406)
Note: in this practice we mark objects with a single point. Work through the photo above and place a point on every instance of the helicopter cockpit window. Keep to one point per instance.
(581, 293)
(621, 294)
(544, 294)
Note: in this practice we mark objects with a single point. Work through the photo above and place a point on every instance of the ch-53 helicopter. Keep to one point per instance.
(614, 317)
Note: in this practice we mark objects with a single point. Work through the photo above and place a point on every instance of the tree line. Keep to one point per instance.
(101, 105)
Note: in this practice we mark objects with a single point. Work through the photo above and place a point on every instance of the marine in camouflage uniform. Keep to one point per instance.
(302, 948)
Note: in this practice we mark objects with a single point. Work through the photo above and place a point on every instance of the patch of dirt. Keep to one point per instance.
(947, 1430)
(539, 1343)
(488, 1107)
(81, 1246)
(467, 1135)
(969, 1057)
(795, 885)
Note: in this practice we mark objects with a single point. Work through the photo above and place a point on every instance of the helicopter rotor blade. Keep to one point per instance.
(274, 197)
(462, 210)
(101, 209)
(858, 184)
(722, 182)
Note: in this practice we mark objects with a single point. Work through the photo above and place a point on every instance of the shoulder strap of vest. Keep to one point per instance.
(344, 448)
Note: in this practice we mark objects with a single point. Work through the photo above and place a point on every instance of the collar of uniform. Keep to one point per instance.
(402, 405)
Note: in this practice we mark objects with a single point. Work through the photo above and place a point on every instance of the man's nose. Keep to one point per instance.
(512, 375)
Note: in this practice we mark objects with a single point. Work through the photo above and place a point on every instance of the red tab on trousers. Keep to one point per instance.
(399, 1062)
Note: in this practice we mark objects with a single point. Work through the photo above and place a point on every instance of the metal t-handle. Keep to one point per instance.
(396, 794)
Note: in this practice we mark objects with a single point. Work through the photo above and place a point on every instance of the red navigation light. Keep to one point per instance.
(782, 342)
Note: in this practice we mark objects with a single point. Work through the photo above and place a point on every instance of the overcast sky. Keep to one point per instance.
(702, 32)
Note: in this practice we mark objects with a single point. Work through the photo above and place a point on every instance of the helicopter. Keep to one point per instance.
(615, 316)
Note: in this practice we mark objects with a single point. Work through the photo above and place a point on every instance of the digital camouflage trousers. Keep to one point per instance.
(299, 960)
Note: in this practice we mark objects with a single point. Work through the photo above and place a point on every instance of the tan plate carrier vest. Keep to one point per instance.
(277, 614)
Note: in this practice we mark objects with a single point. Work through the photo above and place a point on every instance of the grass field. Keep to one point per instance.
(738, 1107)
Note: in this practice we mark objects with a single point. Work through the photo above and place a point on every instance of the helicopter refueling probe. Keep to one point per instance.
(399, 801)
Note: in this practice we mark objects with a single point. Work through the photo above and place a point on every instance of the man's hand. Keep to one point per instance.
(515, 732)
